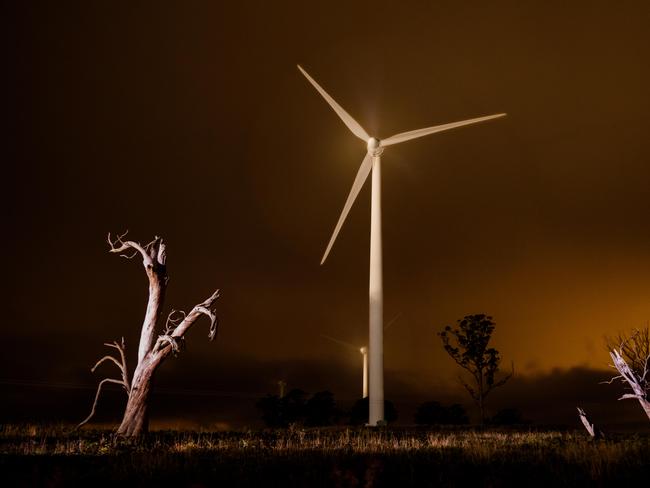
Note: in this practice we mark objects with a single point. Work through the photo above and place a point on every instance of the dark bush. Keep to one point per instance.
(507, 416)
(433, 413)
(320, 409)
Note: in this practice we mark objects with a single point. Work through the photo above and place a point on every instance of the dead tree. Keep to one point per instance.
(152, 349)
(594, 432)
(632, 361)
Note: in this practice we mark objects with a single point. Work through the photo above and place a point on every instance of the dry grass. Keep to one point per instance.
(324, 457)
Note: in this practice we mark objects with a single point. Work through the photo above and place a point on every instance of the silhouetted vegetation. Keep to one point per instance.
(432, 413)
(320, 409)
(467, 344)
(507, 416)
(295, 408)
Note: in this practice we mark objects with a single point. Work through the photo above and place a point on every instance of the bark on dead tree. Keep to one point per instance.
(636, 378)
(152, 350)
(633, 380)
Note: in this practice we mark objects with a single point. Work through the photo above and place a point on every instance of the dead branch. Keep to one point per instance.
(213, 321)
(175, 328)
(203, 308)
(119, 246)
(636, 381)
(630, 395)
(635, 349)
(125, 371)
(99, 389)
(175, 344)
(105, 358)
(152, 253)
(611, 380)
(172, 321)
(120, 364)
(124, 382)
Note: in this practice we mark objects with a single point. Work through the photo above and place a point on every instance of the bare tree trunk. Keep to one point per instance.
(156, 270)
(151, 351)
(136, 418)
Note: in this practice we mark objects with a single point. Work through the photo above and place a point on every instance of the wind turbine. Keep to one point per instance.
(372, 162)
(364, 352)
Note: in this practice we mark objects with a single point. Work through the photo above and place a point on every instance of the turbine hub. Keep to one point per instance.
(374, 146)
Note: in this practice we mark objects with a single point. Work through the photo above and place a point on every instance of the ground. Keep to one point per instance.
(338, 456)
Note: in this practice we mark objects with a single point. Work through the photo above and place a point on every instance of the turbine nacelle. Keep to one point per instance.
(374, 146)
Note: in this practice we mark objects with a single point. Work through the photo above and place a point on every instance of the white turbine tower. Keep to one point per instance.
(372, 162)
(364, 354)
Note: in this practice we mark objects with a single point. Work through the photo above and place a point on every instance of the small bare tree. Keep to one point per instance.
(152, 350)
(631, 358)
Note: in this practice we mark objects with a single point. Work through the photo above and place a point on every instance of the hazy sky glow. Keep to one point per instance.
(193, 122)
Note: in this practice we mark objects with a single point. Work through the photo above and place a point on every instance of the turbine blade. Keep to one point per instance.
(340, 342)
(352, 124)
(362, 175)
(393, 320)
(406, 136)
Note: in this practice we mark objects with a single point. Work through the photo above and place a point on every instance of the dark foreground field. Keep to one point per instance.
(52, 456)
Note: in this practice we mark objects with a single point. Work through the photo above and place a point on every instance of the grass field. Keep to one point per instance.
(53, 456)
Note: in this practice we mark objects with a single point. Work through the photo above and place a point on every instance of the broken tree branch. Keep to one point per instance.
(125, 371)
(99, 389)
(124, 382)
(121, 365)
(172, 321)
(119, 246)
(203, 308)
(589, 425)
(173, 337)
(106, 358)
